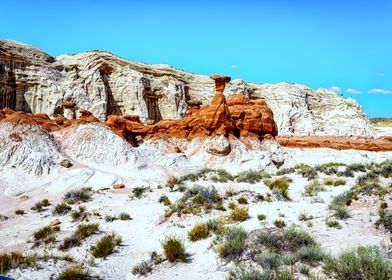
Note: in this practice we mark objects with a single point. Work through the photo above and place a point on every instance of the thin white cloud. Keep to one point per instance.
(380, 74)
(353, 91)
(380, 91)
(335, 89)
(233, 66)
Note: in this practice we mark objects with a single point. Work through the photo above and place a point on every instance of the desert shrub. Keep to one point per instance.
(75, 272)
(341, 212)
(222, 176)
(82, 195)
(124, 216)
(45, 202)
(164, 200)
(306, 171)
(242, 200)
(356, 167)
(142, 269)
(386, 169)
(313, 188)
(233, 243)
(194, 199)
(239, 214)
(304, 216)
(383, 205)
(285, 171)
(15, 260)
(79, 214)
(362, 263)
(270, 260)
(279, 223)
(310, 254)
(199, 231)
(174, 249)
(110, 219)
(106, 245)
(82, 232)
(342, 199)
(346, 173)
(19, 212)
(261, 217)
(46, 234)
(328, 170)
(385, 219)
(38, 207)
(251, 176)
(335, 182)
(332, 223)
(61, 208)
(216, 226)
(280, 184)
(291, 239)
(139, 191)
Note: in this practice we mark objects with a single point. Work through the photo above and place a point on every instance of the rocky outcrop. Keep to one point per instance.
(105, 84)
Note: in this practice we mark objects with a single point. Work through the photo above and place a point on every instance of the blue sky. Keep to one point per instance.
(342, 44)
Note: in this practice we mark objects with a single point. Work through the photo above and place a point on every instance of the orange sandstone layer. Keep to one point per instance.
(381, 144)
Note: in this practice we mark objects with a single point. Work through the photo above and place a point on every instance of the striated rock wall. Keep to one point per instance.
(105, 84)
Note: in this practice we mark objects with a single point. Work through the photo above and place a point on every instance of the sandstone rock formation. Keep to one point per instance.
(105, 84)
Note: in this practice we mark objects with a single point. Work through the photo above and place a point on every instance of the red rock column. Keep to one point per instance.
(220, 82)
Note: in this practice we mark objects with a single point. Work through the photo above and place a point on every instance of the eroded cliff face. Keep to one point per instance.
(105, 84)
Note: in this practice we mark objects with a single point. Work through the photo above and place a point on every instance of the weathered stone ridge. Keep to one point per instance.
(104, 84)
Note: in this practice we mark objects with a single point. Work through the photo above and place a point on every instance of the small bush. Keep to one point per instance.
(385, 219)
(251, 176)
(280, 184)
(19, 212)
(164, 200)
(222, 176)
(199, 231)
(285, 171)
(310, 254)
(45, 202)
(15, 260)
(304, 217)
(142, 269)
(124, 216)
(46, 234)
(139, 191)
(356, 167)
(80, 214)
(106, 245)
(82, 232)
(332, 223)
(5, 263)
(261, 217)
(38, 207)
(279, 223)
(233, 243)
(81, 195)
(61, 208)
(109, 218)
(215, 226)
(306, 171)
(269, 261)
(341, 212)
(335, 182)
(242, 200)
(239, 214)
(313, 188)
(174, 249)
(361, 263)
(346, 173)
(75, 272)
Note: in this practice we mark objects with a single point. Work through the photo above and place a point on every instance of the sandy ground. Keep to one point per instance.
(145, 232)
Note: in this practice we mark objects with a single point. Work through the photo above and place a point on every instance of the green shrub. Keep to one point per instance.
(79, 214)
(174, 249)
(304, 217)
(251, 176)
(280, 184)
(139, 191)
(290, 239)
(233, 243)
(38, 207)
(242, 200)
(279, 223)
(15, 260)
(239, 214)
(82, 232)
(110, 219)
(81, 195)
(106, 245)
(164, 200)
(306, 171)
(46, 234)
(385, 219)
(313, 188)
(269, 261)
(285, 171)
(61, 208)
(199, 231)
(261, 217)
(222, 176)
(341, 212)
(142, 269)
(332, 223)
(5, 263)
(19, 212)
(215, 226)
(124, 216)
(335, 182)
(360, 264)
(356, 167)
(310, 254)
(75, 272)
